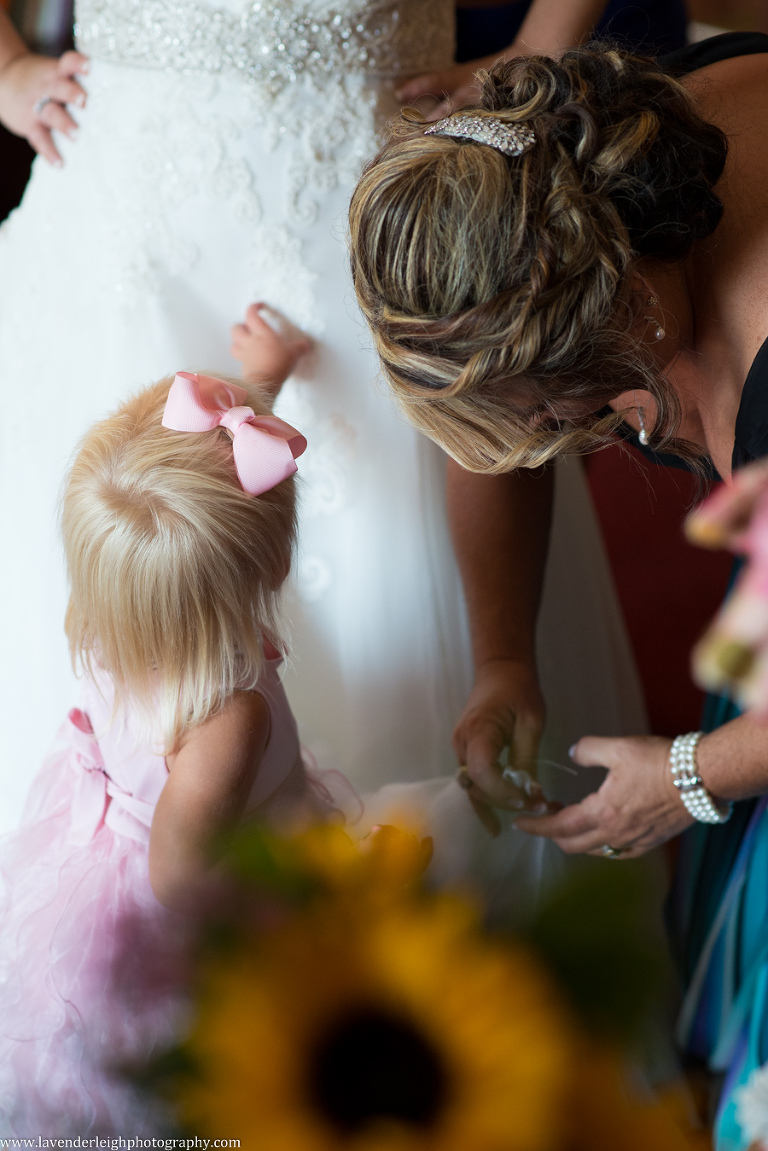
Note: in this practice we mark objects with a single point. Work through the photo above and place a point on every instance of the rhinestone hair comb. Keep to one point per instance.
(511, 139)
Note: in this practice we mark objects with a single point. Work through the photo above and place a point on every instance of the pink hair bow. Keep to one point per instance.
(265, 448)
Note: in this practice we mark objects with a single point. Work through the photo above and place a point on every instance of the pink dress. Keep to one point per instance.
(76, 898)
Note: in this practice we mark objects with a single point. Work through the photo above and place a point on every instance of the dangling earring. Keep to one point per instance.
(652, 302)
(643, 434)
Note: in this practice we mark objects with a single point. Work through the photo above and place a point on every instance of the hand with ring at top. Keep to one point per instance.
(34, 94)
(636, 808)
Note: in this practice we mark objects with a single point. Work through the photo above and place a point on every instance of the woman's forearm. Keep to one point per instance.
(733, 760)
(552, 26)
(500, 529)
(11, 43)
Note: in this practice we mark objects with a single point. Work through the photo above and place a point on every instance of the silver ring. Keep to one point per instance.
(40, 104)
(610, 852)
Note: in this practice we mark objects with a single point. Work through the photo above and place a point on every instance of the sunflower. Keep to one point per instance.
(323, 860)
(385, 863)
(606, 1110)
(403, 1030)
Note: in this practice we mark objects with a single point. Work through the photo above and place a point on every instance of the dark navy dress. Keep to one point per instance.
(648, 26)
(719, 905)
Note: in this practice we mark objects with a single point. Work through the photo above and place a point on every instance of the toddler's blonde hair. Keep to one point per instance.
(174, 570)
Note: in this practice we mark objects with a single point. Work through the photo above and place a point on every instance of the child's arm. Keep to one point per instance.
(210, 779)
(267, 351)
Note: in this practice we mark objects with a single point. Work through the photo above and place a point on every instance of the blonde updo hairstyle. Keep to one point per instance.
(498, 288)
(174, 570)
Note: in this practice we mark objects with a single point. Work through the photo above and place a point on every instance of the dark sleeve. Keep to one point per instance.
(751, 440)
(710, 51)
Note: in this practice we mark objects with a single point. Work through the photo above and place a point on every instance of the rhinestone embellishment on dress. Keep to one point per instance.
(274, 44)
(511, 139)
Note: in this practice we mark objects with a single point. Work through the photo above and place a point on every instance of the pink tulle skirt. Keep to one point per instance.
(74, 1008)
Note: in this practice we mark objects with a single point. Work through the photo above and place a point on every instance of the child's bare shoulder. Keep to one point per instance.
(237, 735)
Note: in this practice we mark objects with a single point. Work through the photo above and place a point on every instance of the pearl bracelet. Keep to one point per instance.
(699, 802)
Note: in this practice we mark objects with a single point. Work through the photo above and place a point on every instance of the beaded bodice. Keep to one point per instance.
(274, 44)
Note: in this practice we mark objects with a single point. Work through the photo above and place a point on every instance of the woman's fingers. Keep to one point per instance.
(571, 823)
(73, 64)
(431, 84)
(483, 751)
(487, 816)
(439, 112)
(41, 140)
(452, 88)
(55, 116)
(483, 809)
(66, 91)
(461, 97)
(526, 740)
(576, 831)
(598, 751)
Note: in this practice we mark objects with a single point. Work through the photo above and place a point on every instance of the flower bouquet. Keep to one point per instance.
(339, 1004)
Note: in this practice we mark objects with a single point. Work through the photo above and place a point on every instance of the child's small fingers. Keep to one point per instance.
(255, 321)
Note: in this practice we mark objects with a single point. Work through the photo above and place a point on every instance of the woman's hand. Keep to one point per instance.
(636, 808)
(34, 92)
(505, 709)
(549, 27)
(453, 87)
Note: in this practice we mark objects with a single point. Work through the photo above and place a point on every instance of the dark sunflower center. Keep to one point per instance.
(372, 1065)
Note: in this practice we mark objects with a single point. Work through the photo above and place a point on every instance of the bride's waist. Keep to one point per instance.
(273, 44)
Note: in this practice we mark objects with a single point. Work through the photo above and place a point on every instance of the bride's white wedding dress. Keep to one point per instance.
(214, 166)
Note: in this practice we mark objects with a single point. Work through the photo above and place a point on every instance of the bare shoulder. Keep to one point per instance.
(732, 93)
(237, 734)
(731, 266)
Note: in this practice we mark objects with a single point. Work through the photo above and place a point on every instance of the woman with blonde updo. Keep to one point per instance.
(582, 255)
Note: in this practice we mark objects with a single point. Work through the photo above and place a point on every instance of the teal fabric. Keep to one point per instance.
(719, 907)
(720, 924)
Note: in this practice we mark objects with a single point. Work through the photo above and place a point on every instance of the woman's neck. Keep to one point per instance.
(698, 354)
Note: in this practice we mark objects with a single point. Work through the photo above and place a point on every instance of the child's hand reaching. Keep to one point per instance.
(267, 351)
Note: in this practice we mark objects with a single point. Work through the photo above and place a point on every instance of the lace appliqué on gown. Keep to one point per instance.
(302, 72)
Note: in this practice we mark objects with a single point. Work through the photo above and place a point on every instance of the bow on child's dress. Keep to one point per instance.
(265, 448)
(96, 792)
